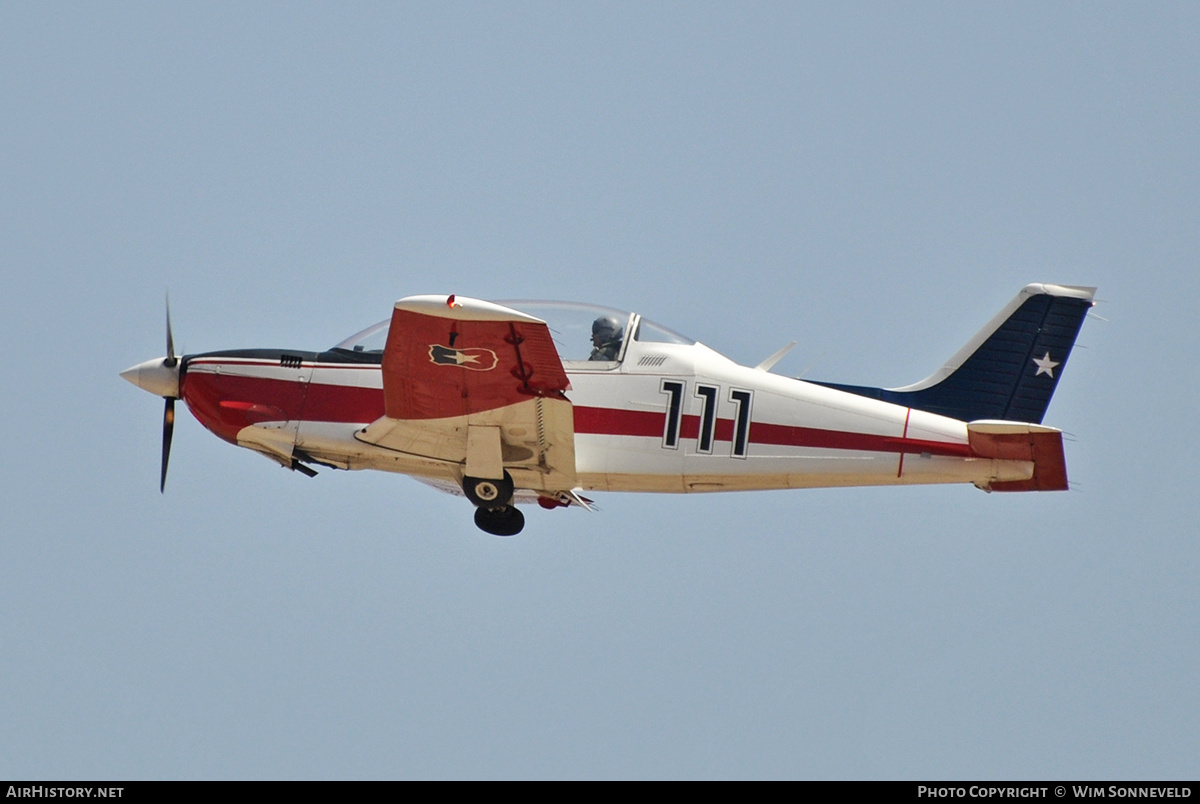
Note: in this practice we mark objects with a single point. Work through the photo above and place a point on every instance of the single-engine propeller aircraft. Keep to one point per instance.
(521, 402)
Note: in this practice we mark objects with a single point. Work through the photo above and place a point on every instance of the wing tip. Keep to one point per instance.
(461, 308)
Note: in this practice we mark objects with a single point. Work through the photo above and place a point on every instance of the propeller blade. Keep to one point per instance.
(168, 429)
(170, 360)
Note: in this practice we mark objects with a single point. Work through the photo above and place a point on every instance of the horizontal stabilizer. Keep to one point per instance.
(1021, 441)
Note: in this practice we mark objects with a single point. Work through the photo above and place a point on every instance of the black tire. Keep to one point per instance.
(506, 521)
(487, 493)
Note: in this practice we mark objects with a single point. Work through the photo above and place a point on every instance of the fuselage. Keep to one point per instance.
(669, 417)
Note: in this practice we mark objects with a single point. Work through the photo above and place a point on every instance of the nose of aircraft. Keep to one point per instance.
(159, 376)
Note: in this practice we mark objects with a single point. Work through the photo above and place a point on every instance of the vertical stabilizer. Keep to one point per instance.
(1010, 369)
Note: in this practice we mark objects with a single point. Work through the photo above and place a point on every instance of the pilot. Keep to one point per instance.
(606, 338)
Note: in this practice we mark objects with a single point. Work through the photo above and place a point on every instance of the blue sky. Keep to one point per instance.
(873, 181)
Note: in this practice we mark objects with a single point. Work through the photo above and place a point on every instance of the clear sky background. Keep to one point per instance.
(872, 180)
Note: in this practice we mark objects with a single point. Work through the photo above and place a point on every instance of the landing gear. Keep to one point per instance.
(505, 521)
(487, 493)
(494, 511)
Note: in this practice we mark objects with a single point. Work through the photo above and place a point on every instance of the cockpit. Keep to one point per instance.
(586, 335)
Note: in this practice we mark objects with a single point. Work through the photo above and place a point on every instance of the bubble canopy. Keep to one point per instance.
(570, 325)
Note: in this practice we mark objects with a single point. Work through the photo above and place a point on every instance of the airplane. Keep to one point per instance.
(524, 402)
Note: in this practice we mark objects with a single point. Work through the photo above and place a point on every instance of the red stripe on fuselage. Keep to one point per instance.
(246, 397)
(789, 436)
(615, 421)
(609, 421)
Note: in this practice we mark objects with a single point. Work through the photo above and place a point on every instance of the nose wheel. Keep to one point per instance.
(494, 511)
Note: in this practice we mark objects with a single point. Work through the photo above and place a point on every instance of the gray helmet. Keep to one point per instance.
(607, 328)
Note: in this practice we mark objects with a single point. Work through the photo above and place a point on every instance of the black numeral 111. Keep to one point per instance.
(708, 396)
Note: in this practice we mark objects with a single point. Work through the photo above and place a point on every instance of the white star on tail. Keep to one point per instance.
(1045, 366)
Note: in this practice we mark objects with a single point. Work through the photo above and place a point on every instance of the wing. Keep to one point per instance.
(480, 387)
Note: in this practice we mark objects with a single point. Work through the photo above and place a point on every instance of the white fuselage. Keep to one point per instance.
(670, 418)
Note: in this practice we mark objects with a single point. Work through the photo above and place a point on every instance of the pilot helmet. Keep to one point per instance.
(606, 328)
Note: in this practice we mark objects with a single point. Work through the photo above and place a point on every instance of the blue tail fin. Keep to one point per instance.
(1010, 369)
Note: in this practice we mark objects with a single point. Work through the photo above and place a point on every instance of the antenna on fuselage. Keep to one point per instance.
(770, 362)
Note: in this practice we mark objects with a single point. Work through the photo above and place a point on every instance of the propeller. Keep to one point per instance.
(160, 377)
(168, 429)
(170, 362)
(168, 413)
